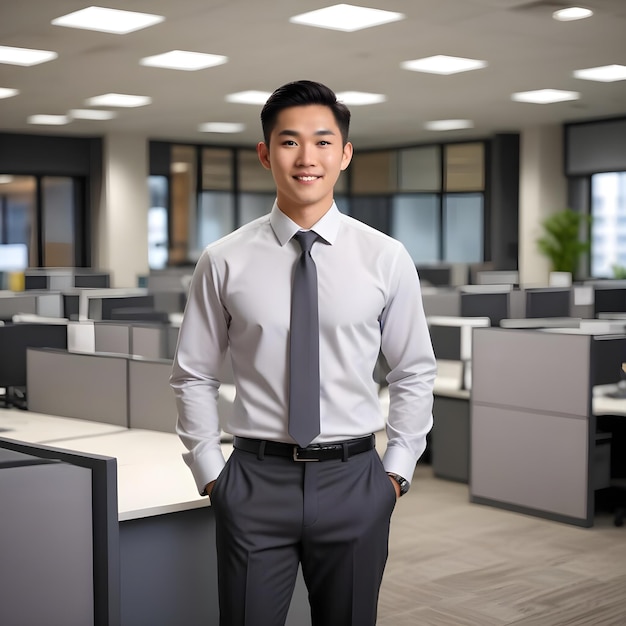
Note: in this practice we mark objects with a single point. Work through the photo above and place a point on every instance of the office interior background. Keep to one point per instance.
(460, 165)
(127, 189)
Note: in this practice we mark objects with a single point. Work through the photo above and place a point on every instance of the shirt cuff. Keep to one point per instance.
(399, 461)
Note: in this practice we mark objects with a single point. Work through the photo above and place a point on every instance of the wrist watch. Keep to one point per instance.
(403, 482)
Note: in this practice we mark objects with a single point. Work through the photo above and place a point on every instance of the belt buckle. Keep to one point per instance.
(298, 459)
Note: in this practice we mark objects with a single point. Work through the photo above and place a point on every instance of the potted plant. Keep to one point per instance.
(561, 241)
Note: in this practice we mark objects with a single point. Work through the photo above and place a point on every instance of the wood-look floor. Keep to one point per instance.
(453, 563)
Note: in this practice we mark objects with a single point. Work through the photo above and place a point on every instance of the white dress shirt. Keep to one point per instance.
(239, 300)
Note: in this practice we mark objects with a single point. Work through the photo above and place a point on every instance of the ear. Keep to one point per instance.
(264, 155)
(347, 156)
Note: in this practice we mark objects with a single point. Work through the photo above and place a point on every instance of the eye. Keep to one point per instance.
(323, 142)
(289, 142)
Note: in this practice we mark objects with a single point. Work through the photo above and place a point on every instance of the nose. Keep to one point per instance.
(306, 155)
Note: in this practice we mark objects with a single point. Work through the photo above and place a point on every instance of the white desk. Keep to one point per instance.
(39, 428)
(167, 560)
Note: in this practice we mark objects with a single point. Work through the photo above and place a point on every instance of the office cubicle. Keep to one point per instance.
(449, 441)
(15, 339)
(548, 302)
(533, 436)
(59, 537)
(60, 279)
(609, 299)
(492, 304)
(147, 340)
(83, 386)
(15, 303)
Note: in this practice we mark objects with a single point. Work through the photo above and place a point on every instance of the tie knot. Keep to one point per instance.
(306, 239)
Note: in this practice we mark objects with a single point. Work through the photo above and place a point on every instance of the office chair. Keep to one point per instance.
(619, 486)
(616, 426)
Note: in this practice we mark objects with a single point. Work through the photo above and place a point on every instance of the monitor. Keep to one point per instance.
(446, 341)
(608, 352)
(15, 338)
(434, 275)
(548, 302)
(609, 300)
(92, 281)
(493, 305)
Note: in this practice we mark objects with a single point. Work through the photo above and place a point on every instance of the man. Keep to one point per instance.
(326, 501)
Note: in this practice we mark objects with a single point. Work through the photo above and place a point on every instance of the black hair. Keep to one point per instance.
(303, 93)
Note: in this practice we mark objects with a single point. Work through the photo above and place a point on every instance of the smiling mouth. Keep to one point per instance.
(307, 179)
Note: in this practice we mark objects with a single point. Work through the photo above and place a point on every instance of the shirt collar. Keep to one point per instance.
(285, 228)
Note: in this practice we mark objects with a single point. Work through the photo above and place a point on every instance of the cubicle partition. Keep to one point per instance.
(83, 386)
(449, 441)
(15, 339)
(533, 440)
(548, 302)
(151, 403)
(59, 537)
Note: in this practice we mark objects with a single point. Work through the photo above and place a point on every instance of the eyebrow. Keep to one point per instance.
(294, 133)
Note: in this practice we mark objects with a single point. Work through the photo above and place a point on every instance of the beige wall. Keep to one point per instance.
(122, 220)
(543, 190)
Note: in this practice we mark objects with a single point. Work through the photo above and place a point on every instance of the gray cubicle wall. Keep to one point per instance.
(112, 337)
(532, 431)
(150, 398)
(148, 341)
(85, 386)
(13, 304)
(441, 301)
(59, 537)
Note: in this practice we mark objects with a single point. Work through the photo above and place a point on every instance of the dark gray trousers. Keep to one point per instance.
(331, 516)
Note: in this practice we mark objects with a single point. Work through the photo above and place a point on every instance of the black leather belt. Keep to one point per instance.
(316, 452)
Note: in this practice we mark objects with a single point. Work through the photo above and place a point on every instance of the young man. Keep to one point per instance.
(322, 499)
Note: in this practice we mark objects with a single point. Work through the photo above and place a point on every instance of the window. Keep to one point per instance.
(463, 227)
(157, 222)
(45, 214)
(415, 221)
(608, 226)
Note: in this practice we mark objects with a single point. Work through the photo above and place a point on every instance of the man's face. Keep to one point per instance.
(305, 155)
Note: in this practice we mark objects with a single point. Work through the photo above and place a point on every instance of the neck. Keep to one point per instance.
(307, 216)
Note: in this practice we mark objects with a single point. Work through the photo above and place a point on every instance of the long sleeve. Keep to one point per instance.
(407, 347)
(202, 344)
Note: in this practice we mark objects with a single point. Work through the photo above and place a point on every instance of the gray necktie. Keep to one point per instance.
(304, 357)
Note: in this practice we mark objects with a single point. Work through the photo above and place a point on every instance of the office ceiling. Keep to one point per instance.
(525, 48)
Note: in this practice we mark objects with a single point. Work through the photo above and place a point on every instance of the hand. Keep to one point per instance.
(395, 486)
(209, 488)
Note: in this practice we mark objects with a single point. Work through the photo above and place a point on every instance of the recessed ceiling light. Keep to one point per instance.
(545, 96)
(108, 20)
(448, 124)
(184, 60)
(91, 114)
(572, 13)
(357, 98)
(5, 179)
(25, 56)
(443, 64)
(6, 92)
(51, 120)
(249, 97)
(604, 74)
(221, 127)
(118, 100)
(346, 17)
